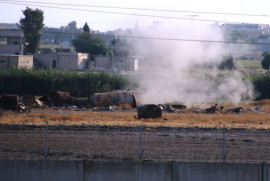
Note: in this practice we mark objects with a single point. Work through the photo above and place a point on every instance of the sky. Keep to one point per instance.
(81, 12)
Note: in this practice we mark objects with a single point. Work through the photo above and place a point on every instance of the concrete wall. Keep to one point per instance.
(217, 171)
(41, 171)
(25, 61)
(4, 62)
(67, 61)
(32, 170)
(46, 59)
(128, 171)
(19, 61)
(117, 62)
(103, 62)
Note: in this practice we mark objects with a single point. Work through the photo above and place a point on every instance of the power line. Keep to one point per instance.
(176, 39)
(122, 13)
(140, 9)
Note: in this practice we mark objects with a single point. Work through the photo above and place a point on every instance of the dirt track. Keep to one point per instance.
(123, 143)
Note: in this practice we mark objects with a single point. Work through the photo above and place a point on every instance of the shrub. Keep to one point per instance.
(262, 85)
(266, 62)
(41, 82)
(227, 63)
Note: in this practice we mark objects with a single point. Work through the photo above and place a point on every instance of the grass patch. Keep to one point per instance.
(248, 64)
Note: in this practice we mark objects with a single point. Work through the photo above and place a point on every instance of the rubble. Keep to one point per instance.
(235, 110)
(149, 111)
(211, 110)
(9, 102)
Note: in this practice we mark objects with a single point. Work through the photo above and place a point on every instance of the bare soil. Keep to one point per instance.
(183, 136)
(124, 143)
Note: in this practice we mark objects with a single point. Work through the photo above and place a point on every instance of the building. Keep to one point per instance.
(64, 61)
(117, 62)
(17, 61)
(11, 42)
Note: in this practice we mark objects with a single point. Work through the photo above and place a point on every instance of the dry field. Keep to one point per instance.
(185, 119)
(182, 136)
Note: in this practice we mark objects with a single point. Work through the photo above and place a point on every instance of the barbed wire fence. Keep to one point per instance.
(140, 143)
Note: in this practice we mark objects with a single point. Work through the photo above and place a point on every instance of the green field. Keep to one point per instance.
(55, 46)
(247, 64)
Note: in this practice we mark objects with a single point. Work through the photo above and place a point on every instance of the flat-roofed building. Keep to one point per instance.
(64, 61)
(17, 61)
(11, 41)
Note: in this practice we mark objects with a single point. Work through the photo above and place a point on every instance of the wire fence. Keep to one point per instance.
(134, 143)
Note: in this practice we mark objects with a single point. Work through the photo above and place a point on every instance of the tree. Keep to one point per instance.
(31, 25)
(227, 63)
(86, 43)
(266, 62)
(86, 28)
(72, 26)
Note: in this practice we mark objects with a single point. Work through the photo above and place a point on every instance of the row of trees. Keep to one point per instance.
(84, 42)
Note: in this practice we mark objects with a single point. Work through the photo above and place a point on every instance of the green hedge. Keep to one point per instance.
(83, 84)
(262, 85)
(41, 82)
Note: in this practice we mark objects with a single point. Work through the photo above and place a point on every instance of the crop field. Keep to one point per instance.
(248, 64)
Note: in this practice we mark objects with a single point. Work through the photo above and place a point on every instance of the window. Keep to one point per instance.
(3, 41)
(2, 63)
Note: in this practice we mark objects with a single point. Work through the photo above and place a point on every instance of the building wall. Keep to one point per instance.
(83, 61)
(72, 61)
(25, 61)
(103, 62)
(46, 59)
(14, 44)
(4, 61)
(18, 61)
(117, 62)
(67, 61)
(13, 61)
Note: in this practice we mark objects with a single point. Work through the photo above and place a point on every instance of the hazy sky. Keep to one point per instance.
(54, 17)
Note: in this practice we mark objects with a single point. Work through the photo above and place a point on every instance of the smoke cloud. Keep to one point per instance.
(172, 70)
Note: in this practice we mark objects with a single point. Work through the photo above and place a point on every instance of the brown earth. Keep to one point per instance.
(182, 136)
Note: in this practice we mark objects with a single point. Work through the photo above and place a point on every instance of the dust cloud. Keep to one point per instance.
(174, 69)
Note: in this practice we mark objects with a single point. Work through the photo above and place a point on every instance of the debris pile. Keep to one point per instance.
(149, 111)
(120, 100)
(9, 101)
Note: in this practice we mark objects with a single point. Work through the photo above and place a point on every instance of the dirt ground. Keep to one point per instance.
(181, 136)
(127, 143)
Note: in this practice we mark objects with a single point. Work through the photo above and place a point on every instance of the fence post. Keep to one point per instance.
(140, 149)
(45, 149)
(223, 152)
